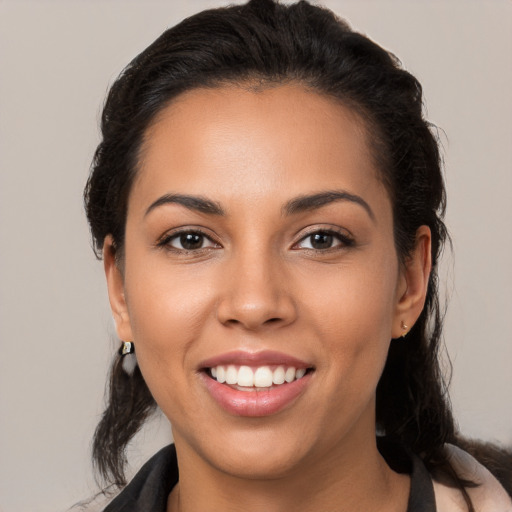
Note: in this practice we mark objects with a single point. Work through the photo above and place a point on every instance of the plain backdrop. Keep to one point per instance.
(57, 59)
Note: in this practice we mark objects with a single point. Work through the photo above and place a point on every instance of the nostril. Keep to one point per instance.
(270, 321)
(254, 311)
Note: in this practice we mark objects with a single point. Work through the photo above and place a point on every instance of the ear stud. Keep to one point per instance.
(127, 347)
(404, 327)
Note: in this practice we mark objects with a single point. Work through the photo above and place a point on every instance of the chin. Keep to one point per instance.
(256, 454)
(260, 464)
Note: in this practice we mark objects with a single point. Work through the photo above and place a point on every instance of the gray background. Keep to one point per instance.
(57, 59)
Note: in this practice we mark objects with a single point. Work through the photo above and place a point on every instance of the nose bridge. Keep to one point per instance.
(254, 289)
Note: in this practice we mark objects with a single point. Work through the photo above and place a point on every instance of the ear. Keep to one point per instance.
(115, 285)
(413, 284)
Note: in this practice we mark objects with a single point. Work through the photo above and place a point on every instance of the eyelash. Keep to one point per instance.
(166, 240)
(342, 237)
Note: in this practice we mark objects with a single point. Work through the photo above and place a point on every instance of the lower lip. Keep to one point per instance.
(255, 403)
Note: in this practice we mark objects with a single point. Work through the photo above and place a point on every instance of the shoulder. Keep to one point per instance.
(488, 496)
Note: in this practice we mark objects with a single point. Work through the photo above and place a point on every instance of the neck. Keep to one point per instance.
(353, 478)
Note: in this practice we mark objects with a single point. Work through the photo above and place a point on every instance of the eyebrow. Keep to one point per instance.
(315, 201)
(197, 203)
(297, 205)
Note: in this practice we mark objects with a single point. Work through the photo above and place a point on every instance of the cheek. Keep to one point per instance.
(354, 318)
(163, 302)
(168, 311)
(356, 337)
(356, 302)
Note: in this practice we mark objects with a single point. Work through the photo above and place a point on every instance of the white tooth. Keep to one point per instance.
(278, 375)
(231, 375)
(300, 373)
(245, 376)
(289, 376)
(263, 377)
(221, 374)
(213, 371)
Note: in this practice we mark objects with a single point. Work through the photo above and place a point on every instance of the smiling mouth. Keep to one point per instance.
(259, 378)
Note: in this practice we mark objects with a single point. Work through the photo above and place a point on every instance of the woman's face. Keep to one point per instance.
(259, 249)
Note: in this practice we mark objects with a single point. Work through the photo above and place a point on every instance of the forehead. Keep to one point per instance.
(236, 142)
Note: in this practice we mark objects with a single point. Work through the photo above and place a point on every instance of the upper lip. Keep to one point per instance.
(263, 358)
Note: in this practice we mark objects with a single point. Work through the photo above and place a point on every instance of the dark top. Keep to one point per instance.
(150, 488)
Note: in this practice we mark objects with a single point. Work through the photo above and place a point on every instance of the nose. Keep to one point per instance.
(256, 293)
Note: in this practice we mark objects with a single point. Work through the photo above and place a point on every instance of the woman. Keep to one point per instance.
(268, 201)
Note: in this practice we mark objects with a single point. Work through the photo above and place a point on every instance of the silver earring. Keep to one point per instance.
(127, 352)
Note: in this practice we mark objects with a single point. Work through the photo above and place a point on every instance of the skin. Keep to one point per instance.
(256, 284)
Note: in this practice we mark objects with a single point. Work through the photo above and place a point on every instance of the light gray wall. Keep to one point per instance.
(56, 61)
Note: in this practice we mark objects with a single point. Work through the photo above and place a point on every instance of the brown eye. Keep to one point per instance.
(189, 241)
(322, 240)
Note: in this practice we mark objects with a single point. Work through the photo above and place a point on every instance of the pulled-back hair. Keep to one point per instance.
(264, 43)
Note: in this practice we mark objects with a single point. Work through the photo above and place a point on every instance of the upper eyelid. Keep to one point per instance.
(175, 232)
(311, 230)
(299, 236)
(344, 235)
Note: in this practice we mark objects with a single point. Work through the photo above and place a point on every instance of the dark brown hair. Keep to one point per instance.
(268, 43)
